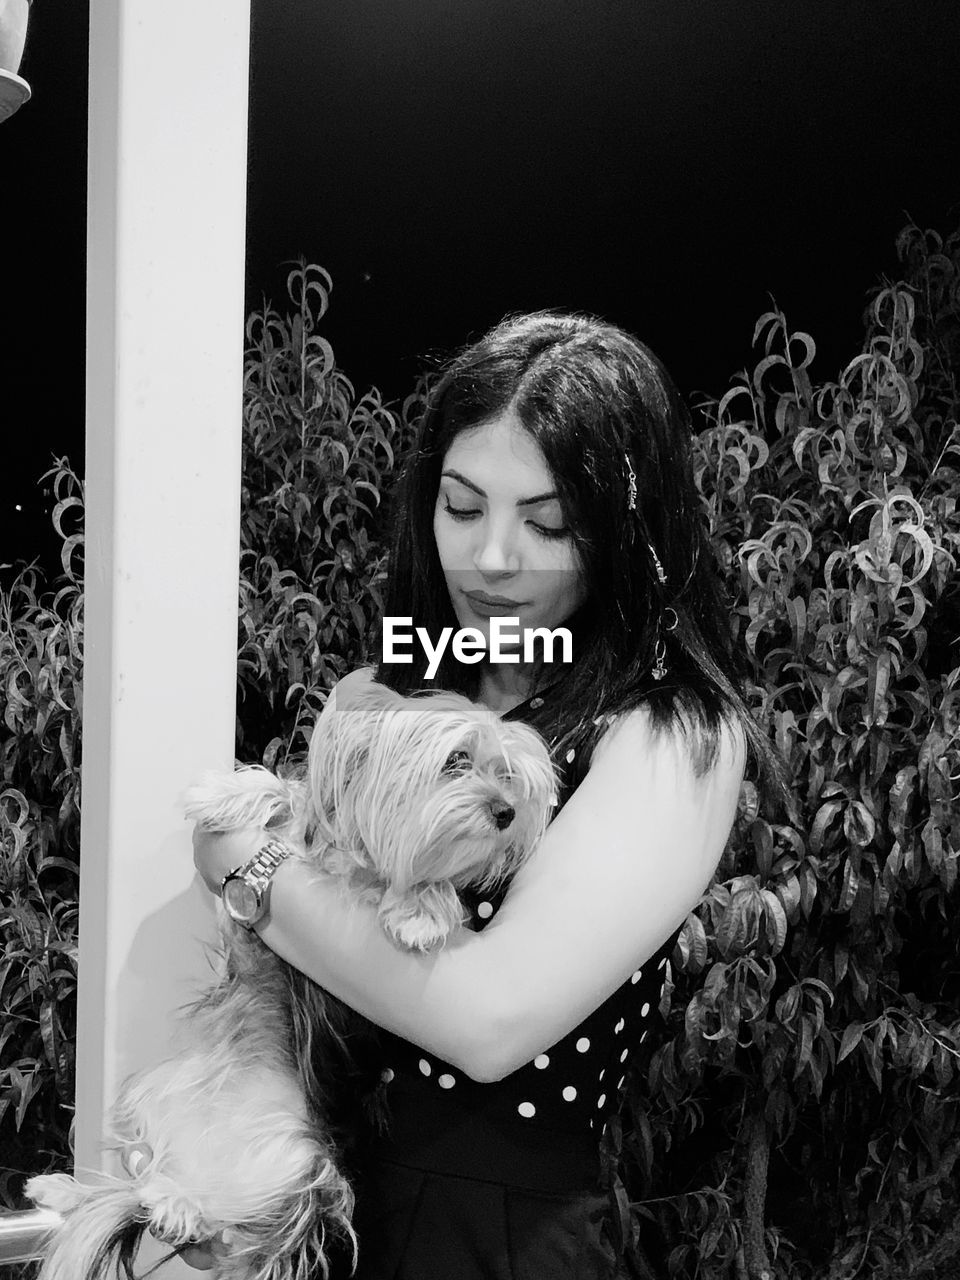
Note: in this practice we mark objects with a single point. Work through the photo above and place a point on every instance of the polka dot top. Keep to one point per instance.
(575, 1084)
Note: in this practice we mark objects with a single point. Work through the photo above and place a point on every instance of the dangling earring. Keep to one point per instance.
(659, 669)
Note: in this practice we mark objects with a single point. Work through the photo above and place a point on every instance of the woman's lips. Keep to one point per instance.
(493, 606)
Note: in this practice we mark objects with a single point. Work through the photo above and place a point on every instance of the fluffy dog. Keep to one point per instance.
(405, 802)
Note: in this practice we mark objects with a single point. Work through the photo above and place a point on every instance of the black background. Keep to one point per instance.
(668, 165)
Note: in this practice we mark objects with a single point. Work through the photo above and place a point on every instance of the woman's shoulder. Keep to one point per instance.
(687, 740)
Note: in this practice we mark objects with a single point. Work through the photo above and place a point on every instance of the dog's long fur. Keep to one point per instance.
(405, 802)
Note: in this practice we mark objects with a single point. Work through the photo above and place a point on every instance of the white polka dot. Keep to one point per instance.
(541, 1061)
(425, 1066)
(645, 1009)
(636, 976)
(386, 1075)
(485, 910)
(663, 963)
(601, 1075)
(620, 1082)
(527, 1109)
(643, 1037)
(535, 703)
(624, 1055)
(446, 1081)
(583, 1044)
(569, 1093)
(619, 1027)
(570, 755)
(601, 1100)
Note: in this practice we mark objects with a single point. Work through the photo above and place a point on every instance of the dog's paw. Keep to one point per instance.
(422, 919)
(416, 934)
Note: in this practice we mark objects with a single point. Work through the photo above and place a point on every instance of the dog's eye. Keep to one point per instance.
(456, 762)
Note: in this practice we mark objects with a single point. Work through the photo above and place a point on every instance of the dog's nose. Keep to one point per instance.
(503, 814)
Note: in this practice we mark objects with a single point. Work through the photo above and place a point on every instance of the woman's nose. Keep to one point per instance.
(496, 551)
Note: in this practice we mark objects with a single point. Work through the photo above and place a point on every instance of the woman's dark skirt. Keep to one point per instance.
(450, 1196)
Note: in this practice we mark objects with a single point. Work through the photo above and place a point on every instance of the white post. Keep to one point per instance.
(165, 246)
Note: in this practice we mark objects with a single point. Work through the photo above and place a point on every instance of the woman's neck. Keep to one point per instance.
(506, 685)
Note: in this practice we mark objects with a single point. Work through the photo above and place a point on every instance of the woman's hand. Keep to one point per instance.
(217, 853)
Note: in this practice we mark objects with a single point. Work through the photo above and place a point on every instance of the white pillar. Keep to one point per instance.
(165, 261)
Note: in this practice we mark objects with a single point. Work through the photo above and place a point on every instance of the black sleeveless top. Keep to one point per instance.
(574, 1085)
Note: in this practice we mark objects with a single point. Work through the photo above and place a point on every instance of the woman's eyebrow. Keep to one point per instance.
(521, 502)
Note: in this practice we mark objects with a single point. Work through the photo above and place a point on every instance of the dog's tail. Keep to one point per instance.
(101, 1229)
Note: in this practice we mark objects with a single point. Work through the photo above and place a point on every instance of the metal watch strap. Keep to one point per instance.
(265, 862)
(257, 874)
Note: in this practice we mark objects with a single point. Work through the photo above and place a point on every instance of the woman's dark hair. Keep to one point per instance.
(599, 405)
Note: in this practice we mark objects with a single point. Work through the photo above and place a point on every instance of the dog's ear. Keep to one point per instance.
(308, 1236)
(339, 748)
(359, 691)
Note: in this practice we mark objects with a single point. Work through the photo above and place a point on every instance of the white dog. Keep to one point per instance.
(406, 801)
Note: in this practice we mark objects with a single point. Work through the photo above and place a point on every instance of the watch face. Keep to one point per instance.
(240, 901)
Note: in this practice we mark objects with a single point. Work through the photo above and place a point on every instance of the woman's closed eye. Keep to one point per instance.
(461, 513)
(547, 531)
(471, 513)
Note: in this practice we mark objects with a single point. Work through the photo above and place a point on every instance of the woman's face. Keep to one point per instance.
(500, 532)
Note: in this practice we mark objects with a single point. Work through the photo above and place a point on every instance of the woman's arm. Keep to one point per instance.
(618, 870)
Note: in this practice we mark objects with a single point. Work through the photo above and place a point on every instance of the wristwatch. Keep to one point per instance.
(245, 891)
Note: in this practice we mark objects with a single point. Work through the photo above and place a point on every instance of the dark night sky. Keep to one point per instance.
(667, 164)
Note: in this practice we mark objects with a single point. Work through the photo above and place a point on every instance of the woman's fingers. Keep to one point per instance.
(217, 853)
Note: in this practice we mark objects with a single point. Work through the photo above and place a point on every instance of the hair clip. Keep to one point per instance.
(661, 572)
(631, 484)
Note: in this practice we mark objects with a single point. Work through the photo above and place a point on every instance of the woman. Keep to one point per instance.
(552, 482)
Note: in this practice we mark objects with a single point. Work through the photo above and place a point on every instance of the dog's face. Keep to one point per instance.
(429, 788)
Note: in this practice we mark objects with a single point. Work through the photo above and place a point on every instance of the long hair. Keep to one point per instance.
(606, 416)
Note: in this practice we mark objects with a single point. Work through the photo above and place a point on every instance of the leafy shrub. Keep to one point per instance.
(807, 1092)
(41, 670)
(317, 461)
(800, 1118)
